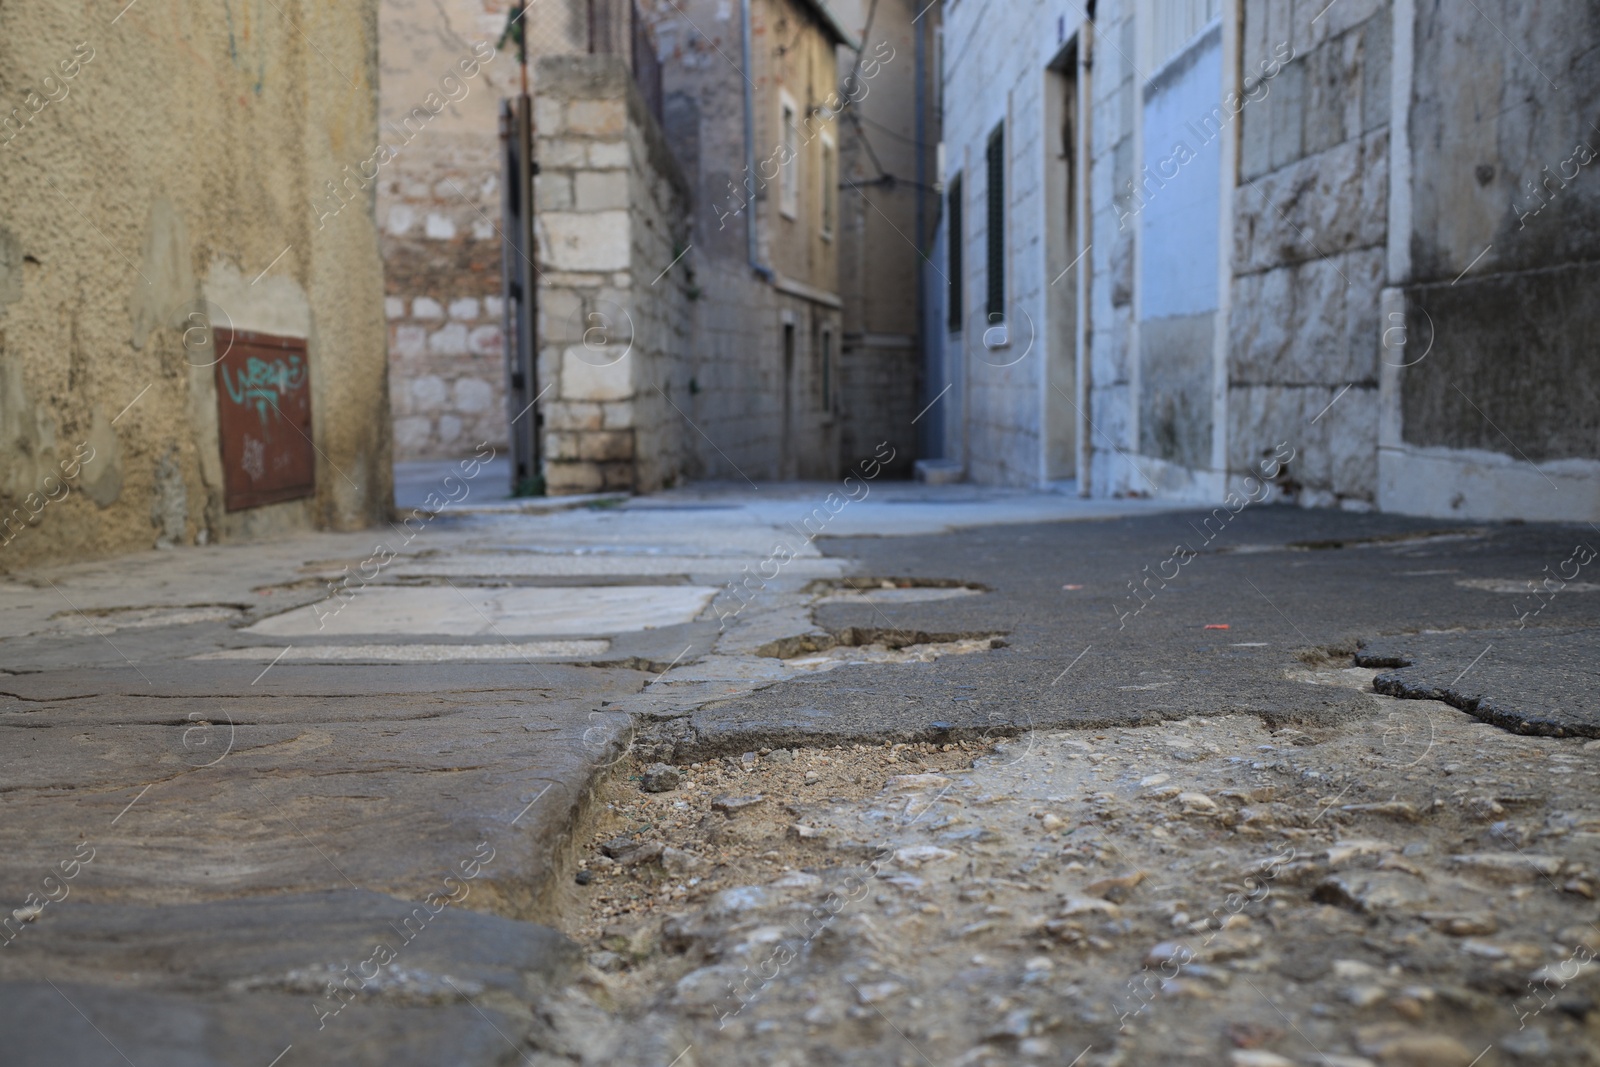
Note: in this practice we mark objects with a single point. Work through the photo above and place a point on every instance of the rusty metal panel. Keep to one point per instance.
(264, 418)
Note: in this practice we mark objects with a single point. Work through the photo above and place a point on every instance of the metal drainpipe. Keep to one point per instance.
(1083, 343)
(919, 76)
(752, 240)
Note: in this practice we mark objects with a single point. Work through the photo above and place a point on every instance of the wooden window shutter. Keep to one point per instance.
(996, 159)
(956, 239)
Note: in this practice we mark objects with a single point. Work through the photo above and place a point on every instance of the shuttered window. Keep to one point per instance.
(996, 159)
(789, 190)
(1171, 24)
(830, 188)
(956, 238)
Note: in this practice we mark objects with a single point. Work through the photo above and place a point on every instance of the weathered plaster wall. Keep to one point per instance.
(1176, 198)
(994, 66)
(172, 171)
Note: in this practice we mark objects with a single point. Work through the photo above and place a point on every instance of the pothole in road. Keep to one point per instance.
(729, 821)
(1345, 677)
(870, 641)
(857, 589)
(881, 644)
(917, 652)
(957, 897)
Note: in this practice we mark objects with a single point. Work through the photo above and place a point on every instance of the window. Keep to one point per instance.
(789, 162)
(830, 188)
(995, 157)
(827, 370)
(953, 252)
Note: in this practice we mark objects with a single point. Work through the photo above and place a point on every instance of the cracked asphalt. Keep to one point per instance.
(1277, 586)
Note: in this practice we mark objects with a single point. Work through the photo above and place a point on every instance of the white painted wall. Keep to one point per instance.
(996, 54)
(1181, 183)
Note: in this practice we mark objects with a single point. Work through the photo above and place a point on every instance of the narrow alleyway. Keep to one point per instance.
(799, 533)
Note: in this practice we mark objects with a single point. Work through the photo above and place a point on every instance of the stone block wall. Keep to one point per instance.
(1409, 245)
(1115, 95)
(614, 320)
(438, 209)
(1309, 246)
(442, 302)
(875, 386)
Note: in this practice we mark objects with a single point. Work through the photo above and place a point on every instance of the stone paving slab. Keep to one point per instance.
(507, 613)
(419, 652)
(206, 787)
(213, 679)
(239, 981)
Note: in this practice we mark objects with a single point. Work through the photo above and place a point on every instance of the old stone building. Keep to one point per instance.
(612, 211)
(1187, 234)
(729, 285)
(889, 207)
(752, 93)
(191, 335)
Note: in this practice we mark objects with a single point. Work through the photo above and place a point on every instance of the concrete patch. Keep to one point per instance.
(1522, 587)
(505, 650)
(479, 612)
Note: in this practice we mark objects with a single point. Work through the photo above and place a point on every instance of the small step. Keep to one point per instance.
(938, 471)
